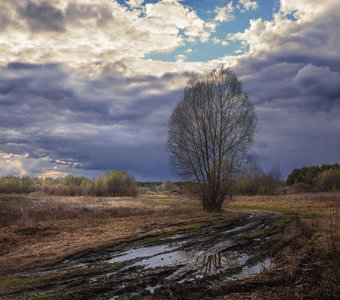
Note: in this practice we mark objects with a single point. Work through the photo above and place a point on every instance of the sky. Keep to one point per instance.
(89, 85)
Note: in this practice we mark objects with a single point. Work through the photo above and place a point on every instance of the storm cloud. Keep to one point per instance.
(78, 95)
(42, 16)
(96, 124)
(296, 90)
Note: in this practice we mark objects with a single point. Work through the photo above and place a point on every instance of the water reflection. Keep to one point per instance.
(223, 260)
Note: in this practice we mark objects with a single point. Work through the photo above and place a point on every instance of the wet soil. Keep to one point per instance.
(143, 267)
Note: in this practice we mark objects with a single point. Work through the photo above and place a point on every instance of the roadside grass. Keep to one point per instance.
(19, 283)
(309, 267)
(313, 209)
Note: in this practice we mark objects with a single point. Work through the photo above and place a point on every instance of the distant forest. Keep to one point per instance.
(120, 183)
(315, 178)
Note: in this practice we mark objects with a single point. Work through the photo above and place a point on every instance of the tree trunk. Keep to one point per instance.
(212, 205)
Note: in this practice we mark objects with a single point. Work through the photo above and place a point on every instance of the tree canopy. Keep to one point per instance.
(316, 178)
(210, 132)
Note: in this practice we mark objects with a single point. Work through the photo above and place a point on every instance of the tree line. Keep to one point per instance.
(113, 183)
(315, 178)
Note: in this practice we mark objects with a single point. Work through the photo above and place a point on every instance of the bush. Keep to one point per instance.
(168, 186)
(328, 180)
(259, 182)
(119, 183)
(113, 183)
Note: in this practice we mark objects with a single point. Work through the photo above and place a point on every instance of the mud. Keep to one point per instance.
(206, 256)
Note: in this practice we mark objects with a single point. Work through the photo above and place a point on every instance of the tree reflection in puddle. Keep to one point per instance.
(222, 260)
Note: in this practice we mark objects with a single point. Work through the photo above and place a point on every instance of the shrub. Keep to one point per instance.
(113, 183)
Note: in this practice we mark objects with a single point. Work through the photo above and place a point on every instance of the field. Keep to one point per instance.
(53, 247)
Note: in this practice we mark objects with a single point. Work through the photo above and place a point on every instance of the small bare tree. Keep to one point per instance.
(210, 132)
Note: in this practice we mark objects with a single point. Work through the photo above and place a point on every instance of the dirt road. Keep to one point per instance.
(141, 267)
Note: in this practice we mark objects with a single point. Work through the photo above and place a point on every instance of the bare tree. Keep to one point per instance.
(210, 132)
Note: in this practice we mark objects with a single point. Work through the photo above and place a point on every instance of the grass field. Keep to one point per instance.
(317, 210)
(38, 230)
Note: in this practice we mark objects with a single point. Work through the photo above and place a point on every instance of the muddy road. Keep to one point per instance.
(141, 267)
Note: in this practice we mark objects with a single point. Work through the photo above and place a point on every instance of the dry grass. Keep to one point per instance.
(36, 230)
(307, 266)
(313, 208)
(31, 210)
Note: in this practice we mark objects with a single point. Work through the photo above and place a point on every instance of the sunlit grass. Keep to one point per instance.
(313, 209)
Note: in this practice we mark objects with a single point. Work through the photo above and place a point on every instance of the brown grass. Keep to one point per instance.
(313, 208)
(307, 266)
(307, 263)
(31, 210)
(36, 230)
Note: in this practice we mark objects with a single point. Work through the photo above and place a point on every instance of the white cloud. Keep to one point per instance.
(262, 34)
(246, 5)
(306, 9)
(282, 34)
(23, 164)
(181, 58)
(96, 36)
(225, 13)
(134, 3)
(218, 41)
(11, 164)
(292, 72)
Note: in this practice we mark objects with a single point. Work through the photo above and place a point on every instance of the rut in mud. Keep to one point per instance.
(208, 255)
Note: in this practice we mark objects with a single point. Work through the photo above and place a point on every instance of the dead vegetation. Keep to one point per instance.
(313, 208)
(35, 230)
(305, 247)
(307, 266)
(33, 209)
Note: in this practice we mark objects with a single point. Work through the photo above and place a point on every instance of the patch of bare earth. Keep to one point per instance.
(307, 266)
(306, 252)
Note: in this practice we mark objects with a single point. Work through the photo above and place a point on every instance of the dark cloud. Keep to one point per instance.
(319, 82)
(298, 105)
(116, 121)
(43, 16)
(5, 20)
(296, 90)
(26, 66)
(99, 124)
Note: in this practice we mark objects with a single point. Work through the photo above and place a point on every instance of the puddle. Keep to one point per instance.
(152, 289)
(222, 261)
(165, 259)
(256, 269)
(140, 253)
(194, 263)
(209, 256)
(153, 256)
